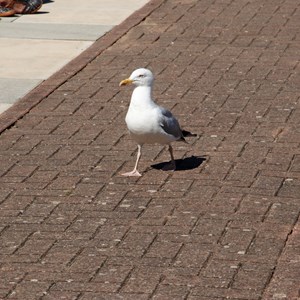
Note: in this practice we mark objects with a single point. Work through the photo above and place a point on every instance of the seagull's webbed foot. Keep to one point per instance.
(132, 173)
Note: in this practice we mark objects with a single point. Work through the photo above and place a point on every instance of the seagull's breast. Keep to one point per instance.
(144, 126)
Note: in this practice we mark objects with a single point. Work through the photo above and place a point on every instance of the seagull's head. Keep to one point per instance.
(139, 77)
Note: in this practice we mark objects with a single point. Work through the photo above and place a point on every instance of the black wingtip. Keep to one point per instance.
(186, 133)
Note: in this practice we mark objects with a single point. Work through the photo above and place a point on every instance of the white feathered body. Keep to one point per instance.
(147, 122)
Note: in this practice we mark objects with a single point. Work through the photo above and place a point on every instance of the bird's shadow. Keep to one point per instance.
(184, 164)
(41, 12)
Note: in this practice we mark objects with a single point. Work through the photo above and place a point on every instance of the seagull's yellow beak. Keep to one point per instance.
(126, 81)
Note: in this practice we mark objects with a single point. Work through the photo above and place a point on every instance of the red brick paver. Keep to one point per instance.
(224, 226)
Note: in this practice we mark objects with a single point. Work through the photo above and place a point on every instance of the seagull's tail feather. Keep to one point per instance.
(186, 133)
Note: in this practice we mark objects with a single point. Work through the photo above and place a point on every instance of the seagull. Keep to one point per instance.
(147, 122)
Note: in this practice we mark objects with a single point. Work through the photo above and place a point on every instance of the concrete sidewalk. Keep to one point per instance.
(33, 47)
(225, 225)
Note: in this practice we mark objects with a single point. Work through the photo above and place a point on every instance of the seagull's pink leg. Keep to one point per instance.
(135, 172)
(172, 165)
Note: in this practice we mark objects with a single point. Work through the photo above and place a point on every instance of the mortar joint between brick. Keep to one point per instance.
(7, 196)
(149, 245)
(289, 115)
(279, 255)
(205, 263)
(266, 214)
(97, 271)
(72, 260)
(119, 169)
(252, 241)
(47, 290)
(160, 280)
(173, 260)
(23, 243)
(55, 242)
(121, 200)
(222, 235)
(11, 291)
(235, 273)
(126, 279)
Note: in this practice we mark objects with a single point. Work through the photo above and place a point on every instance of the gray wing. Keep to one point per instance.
(169, 124)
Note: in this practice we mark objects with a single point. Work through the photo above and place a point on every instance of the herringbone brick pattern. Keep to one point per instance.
(225, 225)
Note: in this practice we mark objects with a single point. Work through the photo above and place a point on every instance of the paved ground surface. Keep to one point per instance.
(37, 45)
(224, 226)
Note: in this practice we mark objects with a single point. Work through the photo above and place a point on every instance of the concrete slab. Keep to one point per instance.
(12, 88)
(104, 12)
(8, 19)
(33, 47)
(4, 107)
(79, 32)
(36, 59)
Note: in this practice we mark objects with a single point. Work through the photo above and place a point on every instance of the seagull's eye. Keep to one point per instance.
(141, 76)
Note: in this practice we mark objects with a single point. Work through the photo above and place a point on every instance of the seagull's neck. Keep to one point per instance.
(142, 97)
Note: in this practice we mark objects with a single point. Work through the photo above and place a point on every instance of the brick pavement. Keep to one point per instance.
(224, 226)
